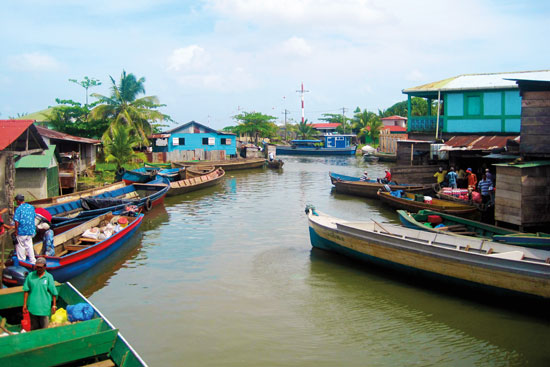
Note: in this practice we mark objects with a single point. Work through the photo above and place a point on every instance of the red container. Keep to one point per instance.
(26, 322)
(434, 219)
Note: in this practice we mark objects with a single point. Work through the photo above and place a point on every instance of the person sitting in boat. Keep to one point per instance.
(440, 175)
(386, 179)
(271, 156)
(364, 177)
(40, 295)
(47, 234)
(452, 177)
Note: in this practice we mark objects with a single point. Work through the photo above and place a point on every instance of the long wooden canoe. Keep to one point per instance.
(94, 342)
(354, 186)
(196, 183)
(42, 203)
(466, 261)
(408, 202)
(228, 165)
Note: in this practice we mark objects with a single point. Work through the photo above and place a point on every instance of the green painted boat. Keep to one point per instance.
(94, 342)
(157, 165)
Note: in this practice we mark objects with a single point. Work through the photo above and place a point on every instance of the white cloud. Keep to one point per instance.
(191, 57)
(297, 46)
(34, 61)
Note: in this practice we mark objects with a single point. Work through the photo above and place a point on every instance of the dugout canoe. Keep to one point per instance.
(42, 203)
(354, 186)
(95, 342)
(74, 252)
(196, 183)
(228, 165)
(456, 260)
(408, 202)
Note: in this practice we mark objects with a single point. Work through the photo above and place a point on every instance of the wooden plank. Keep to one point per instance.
(503, 217)
(536, 95)
(105, 363)
(535, 111)
(505, 202)
(511, 195)
(529, 103)
(535, 129)
(508, 182)
(535, 121)
(75, 247)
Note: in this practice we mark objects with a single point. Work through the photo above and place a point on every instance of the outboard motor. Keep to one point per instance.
(14, 275)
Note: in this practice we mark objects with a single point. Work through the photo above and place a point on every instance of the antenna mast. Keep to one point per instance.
(302, 91)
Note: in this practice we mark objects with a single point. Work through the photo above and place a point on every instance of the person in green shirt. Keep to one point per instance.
(40, 295)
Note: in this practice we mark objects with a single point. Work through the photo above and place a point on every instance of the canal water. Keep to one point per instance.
(227, 277)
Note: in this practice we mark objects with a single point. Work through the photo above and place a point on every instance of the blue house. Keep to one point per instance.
(193, 141)
(470, 104)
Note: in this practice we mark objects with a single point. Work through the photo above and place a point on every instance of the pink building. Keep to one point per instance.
(395, 121)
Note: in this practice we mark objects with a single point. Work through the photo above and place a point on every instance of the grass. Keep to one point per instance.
(104, 174)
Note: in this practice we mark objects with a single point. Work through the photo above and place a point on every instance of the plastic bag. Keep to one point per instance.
(60, 316)
(26, 322)
(80, 312)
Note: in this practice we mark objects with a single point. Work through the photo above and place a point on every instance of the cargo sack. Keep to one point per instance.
(80, 312)
(60, 316)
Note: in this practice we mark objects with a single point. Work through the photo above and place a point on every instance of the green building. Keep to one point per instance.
(484, 104)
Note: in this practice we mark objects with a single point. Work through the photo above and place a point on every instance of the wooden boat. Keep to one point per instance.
(408, 202)
(75, 253)
(228, 165)
(146, 174)
(143, 196)
(463, 260)
(157, 165)
(275, 164)
(196, 171)
(41, 203)
(196, 183)
(370, 158)
(332, 144)
(354, 186)
(439, 192)
(451, 224)
(96, 342)
(386, 157)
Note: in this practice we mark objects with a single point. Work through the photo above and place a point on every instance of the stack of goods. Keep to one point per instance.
(457, 193)
(101, 233)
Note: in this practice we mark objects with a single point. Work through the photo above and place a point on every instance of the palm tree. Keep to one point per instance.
(360, 122)
(305, 130)
(119, 146)
(374, 126)
(124, 108)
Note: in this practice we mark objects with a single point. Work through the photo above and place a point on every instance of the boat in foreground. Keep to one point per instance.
(196, 183)
(95, 342)
(78, 249)
(414, 202)
(467, 261)
(275, 164)
(354, 186)
(228, 165)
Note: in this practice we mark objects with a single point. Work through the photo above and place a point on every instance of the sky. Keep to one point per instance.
(212, 59)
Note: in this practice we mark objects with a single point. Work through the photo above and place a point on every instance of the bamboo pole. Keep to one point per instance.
(438, 111)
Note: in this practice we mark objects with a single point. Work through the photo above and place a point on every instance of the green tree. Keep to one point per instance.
(72, 118)
(119, 146)
(87, 83)
(361, 121)
(255, 124)
(305, 130)
(374, 126)
(124, 108)
(398, 109)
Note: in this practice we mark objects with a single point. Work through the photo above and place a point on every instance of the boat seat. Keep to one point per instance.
(75, 247)
(105, 363)
(510, 255)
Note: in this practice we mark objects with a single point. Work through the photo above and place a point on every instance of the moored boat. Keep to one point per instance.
(42, 203)
(94, 342)
(370, 158)
(468, 261)
(386, 157)
(332, 144)
(275, 164)
(79, 248)
(158, 165)
(197, 170)
(196, 183)
(354, 186)
(228, 165)
(146, 174)
(414, 202)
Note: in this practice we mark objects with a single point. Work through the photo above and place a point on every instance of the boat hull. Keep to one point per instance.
(443, 206)
(448, 264)
(288, 150)
(196, 183)
(228, 165)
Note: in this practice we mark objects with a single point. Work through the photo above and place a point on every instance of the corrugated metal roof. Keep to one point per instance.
(524, 164)
(480, 81)
(206, 128)
(477, 142)
(52, 134)
(10, 130)
(43, 160)
(326, 125)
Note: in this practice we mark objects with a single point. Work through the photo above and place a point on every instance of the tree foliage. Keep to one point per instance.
(87, 83)
(123, 107)
(255, 124)
(72, 118)
(305, 130)
(119, 145)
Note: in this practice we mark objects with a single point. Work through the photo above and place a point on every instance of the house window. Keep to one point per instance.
(175, 141)
(473, 105)
(225, 141)
(208, 141)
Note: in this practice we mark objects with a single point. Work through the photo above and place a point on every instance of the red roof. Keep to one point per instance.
(394, 117)
(10, 130)
(52, 134)
(329, 125)
(477, 142)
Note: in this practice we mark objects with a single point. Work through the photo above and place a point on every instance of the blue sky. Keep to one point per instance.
(208, 60)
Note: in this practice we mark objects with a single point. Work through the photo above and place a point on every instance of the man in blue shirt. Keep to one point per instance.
(452, 176)
(25, 229)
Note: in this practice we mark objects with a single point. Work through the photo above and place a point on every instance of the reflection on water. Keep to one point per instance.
(226, 276)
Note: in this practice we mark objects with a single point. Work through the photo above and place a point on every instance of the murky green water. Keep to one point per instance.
(227, 277)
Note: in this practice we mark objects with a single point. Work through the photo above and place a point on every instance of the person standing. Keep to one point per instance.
(440, 175)
(452, 176)
(40, 295)
(489, 175)
(472, 179)
(25, 229)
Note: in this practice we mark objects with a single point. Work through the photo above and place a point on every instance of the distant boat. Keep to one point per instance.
(94, 342)
(275, 164)
(332, 144)
(352, 185)
(452, 259)
(75, 253)
(196, 183)
(453, 225)
(411, 202)
(370, 158)
(227, 165)
(386, 157)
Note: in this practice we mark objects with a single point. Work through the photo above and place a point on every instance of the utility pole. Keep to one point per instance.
(302, 91)
(286, 112)
(344, 118)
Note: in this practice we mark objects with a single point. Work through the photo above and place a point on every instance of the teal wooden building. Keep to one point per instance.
(470, 104)
(193, 141)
